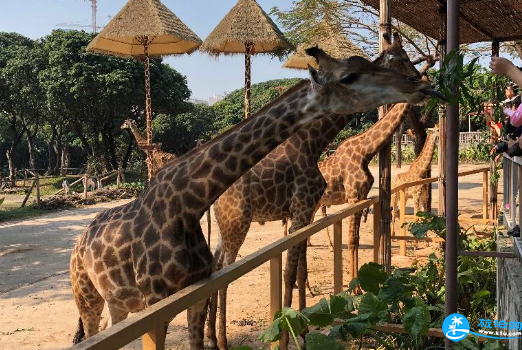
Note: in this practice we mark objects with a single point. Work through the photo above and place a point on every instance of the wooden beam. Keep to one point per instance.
(338, 258)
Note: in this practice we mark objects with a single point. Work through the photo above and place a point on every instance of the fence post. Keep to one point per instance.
(376, 232)
(276, 287)
(402, 220)
(85, 186)
(37, 179)
(154, 339)
(118, 179)
(338, 258)
(485, 184)
(512, 197)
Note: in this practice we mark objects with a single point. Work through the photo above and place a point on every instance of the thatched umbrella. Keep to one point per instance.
(331, 41)
(145, 28)
(247, 30)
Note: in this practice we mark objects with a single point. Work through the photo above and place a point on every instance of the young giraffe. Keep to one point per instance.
(159, 158)
(348, 177)
(134, 255)
(285, 184)
(418, 170)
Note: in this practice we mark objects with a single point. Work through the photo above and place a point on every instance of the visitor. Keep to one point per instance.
(505, 67)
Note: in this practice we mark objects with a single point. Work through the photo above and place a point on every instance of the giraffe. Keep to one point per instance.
(418, 170)
(137, 254)
(285, 184)
(159, 158)
(348, 177)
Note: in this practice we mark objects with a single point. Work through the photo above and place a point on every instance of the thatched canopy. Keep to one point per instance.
(480, 20)
(333, 43)
(141, 18)
(246, 23)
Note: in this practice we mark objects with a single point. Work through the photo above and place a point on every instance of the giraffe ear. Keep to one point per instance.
(314, 78)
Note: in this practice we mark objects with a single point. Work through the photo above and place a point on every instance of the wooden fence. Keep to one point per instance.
(150, 322)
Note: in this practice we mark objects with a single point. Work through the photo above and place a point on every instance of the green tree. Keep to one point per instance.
(230, 110)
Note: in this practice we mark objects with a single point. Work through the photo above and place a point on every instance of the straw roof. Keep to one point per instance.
(140, 18)
(336, 44)
(479, 20)
(245, 23)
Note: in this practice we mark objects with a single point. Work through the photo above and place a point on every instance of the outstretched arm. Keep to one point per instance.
(505, 67)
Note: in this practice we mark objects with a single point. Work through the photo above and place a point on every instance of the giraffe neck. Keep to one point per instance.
(423, 161)
(316, 136)
(202, 175)
(375, 138)
(139, 138)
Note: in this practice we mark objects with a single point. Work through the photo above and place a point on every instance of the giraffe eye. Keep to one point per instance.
(350, 78)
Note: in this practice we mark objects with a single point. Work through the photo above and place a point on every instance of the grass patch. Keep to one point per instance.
(7, 214)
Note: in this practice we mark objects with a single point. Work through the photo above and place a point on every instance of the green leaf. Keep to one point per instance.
(481, 294)
(371, 276)
(339, 304)
(339, 332)
(318, 341)
(319, 314)
(372, 305)
(393, 290)
(242, 347)
(273, 332)
(416, 320)
(354, 284)
(356, 329)
(294, 319)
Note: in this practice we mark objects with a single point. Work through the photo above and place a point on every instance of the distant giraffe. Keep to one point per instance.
(159, 158)
(418, 170)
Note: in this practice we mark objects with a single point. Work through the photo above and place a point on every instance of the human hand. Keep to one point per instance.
(501, 66)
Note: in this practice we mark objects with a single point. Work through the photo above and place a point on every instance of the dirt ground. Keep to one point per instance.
(37, 310)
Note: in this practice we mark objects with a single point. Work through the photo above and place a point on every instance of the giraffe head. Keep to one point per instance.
(127, 124)
(394, 57)
(434, 132)
(356, 85)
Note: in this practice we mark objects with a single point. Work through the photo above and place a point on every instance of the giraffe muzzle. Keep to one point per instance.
(433, 93)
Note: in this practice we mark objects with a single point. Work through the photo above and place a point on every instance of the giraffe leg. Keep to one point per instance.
(117, 315)
(230, 257)
(354, 223)
(330, 244)
(212, 315)
(89, 302)
(196, 315)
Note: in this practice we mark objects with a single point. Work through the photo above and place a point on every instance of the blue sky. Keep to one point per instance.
(206, 76)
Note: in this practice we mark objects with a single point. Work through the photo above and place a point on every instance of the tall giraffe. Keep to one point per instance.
(159, 158)
(347, 174)
(418, 170)
(134, 255)
(285, 184)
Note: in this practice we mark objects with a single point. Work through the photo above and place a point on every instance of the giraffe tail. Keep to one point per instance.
(80, 333)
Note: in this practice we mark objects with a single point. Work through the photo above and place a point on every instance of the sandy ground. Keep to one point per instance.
(37, 310)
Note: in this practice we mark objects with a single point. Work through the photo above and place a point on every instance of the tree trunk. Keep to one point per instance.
(12, 170)
(112, 147)
(58, 152)
(128, 152)
(419, 130)
(30, 146)
(52, 156)
(65, 159)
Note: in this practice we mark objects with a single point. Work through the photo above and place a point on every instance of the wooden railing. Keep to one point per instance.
(150, 322)
(403, 217)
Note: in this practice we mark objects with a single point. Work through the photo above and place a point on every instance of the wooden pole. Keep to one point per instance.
(442, 121)
(37, 180)
(376, 232)
(85, 187)
(154, 339)
(276, 287)
(385, 153)
(338, 258)
(402, 221)
(493, 184)
(452, 181)
(485, 181)
(248, 76)
(28, 193)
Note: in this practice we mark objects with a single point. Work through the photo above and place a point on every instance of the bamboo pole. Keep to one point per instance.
(402, 221)
(385, 153)
(248, 78)
(376, 233)
(485, 181)
(276, 287)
